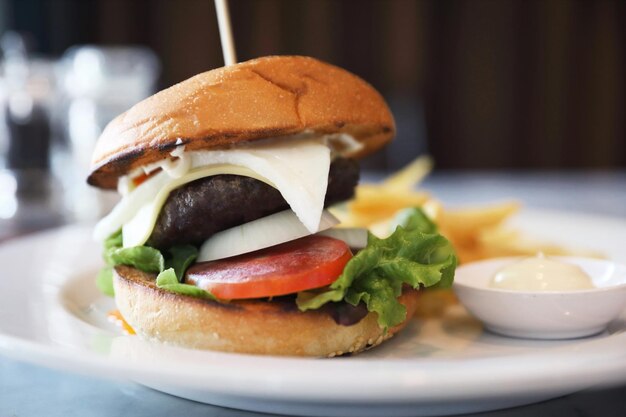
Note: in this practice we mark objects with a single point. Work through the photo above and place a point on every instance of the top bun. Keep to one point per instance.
(262, 98)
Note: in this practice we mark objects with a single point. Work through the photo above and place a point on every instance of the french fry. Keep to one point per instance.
(463, 225)
(434, 302)
(371, 206)
(475, 232)
(469, 254)
(411, 175)
(500, 241)
(375, 203)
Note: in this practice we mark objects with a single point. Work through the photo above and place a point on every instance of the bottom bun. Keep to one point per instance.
(244, 326)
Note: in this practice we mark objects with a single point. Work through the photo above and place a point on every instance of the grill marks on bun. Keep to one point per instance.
(257, 99)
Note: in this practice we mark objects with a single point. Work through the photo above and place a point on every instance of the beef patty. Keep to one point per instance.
(199, 209)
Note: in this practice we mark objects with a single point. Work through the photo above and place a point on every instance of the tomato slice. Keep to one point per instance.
(140, 179)
(302, 264)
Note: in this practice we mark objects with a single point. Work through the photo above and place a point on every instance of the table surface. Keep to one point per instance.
(27, 390)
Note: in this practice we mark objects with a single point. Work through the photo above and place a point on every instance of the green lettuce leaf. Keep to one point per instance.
(143, 258)
(113, 243)
(151, 260)
(168, 280)
(104, 281)
(176, 265)
(416, 256)
(181, 258)
(413, 218)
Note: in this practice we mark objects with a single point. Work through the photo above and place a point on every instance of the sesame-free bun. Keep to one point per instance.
(244, 326)
(262, 98)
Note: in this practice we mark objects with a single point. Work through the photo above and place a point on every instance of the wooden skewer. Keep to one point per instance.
(226, 32)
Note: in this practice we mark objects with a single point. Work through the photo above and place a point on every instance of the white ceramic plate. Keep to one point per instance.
(52, 314)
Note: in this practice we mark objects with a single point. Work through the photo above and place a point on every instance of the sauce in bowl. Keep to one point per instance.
(539, 273)
(531, 306)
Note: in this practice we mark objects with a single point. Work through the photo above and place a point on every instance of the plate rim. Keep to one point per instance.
(412, 376)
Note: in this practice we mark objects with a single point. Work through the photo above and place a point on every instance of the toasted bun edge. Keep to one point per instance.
(263, 98)
(244, 326)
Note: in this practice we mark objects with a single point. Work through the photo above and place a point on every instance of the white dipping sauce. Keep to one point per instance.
(541, 274)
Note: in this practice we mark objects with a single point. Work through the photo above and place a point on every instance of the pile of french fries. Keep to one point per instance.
(475, 232)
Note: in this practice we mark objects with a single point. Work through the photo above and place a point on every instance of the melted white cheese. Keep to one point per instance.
(137, 230)
(297, 168)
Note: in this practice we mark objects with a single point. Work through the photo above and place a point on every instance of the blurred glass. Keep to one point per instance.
(98, 83)
(27, 95)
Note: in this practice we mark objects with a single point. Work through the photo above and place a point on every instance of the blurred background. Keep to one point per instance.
(480, 85)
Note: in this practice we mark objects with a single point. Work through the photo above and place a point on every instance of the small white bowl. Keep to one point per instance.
(543, 315)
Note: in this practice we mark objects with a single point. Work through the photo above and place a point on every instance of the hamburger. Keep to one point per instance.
(222, 239)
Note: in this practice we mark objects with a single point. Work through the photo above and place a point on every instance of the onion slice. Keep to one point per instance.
(258, 234)
(355, 237)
